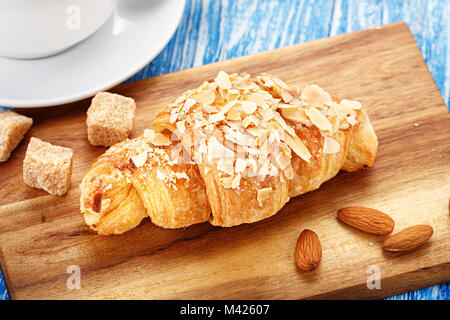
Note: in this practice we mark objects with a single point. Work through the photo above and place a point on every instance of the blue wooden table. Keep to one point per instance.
(216, 30)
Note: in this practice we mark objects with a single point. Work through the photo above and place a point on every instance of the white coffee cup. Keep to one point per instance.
(39, 28)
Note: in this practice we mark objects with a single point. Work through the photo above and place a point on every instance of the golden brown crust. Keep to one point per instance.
(173, 194)
(109, 202)
(363, 148)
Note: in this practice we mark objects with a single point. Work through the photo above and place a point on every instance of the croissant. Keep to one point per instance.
(232, 151)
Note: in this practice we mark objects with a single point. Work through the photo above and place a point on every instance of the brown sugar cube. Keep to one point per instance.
(47, 167)
(13, 127)
(110, 119)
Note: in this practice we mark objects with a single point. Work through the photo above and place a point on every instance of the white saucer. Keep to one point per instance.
(136, 32)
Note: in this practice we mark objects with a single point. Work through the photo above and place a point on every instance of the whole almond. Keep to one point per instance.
(367, 219)
(408, 238)
(308, 251)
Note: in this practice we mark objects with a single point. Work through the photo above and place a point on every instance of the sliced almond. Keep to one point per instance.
(160, 175)
(286, 106)
(318, 119)
(182, 175)
(223, 80)
(367, 219)
(233, 115)
(227, 182)
(160, 140)
(216, 150)
(352, 119)
(204, 97)
(409, 238)
(286, 96)
(280, 82)
(331, 146)
(236, 181)
(283, 124)
(225, 167)
(249, 107)
(256, 98)
(240, 165)
(289, 172)
(266, 114)
(308, 251)
(173, 116)
(250, 120)
(294, 114)
(297, 145)
(228, 107)
(140, 159)
(216, 117)
(283, 160)
(313, 95)
(149, 134)
(351, 103)
(343, 111)
(181, 127)
(188, 104)
(264, 194)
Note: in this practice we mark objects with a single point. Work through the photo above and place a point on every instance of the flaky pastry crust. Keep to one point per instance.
(232, 151)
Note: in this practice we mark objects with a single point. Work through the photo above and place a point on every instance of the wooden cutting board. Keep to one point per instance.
(41, 235)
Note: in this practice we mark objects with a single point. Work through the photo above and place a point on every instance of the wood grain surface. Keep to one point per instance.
(41, 235)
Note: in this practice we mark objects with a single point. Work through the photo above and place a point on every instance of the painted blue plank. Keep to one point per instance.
(212, 31)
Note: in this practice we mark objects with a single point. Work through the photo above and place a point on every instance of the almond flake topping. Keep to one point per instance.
(188, 104)
(181, 127)
(280, 82)
(217, 150)
(223, 80)
(149, 134)
(226, 167)
(263, 194)
(294, 114)
(257, 98)
(216, 117)
(240, 165)
(228, 107)
(160, 175)
(236, 181)
(249, 107)
(351, 103)
(160, 140)
(330, 145)
(250, 120)
(313, 95)
(283, 160)
(204, 97)
(343, 111)
(182, 175)
(233, 115)
(351, 119)
(286, 96)
(318, 119)
(298, 147)
(240, 126)
(267, 114)
(140, 159)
